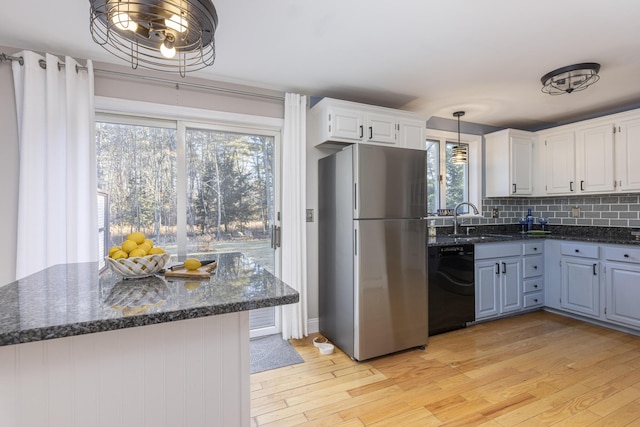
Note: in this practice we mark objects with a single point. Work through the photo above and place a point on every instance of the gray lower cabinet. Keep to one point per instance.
(580, 283)
(533, 274)
(498, 276)
(622, 285)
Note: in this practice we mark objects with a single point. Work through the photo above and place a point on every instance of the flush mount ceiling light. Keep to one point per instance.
(572, 78)
(163, 35)
(459, 151)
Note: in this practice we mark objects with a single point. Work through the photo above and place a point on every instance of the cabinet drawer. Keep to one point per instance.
(532, 266)
(533, 300)
(532, 248)
(533, 285)
(497, 250)
(621, 254)
(580, 250)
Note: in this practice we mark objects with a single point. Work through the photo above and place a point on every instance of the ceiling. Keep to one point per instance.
(434, 57)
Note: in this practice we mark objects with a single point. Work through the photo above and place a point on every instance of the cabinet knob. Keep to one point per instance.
(577, 250)
(535, 300)
(535, 249)
(626, 255)
(535, 286)
(535, 267)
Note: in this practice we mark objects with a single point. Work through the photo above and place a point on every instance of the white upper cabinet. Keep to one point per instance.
(628, 153)
(560, 163)
(596, 156)
(509, 163)
(341, 122)
(595, 159)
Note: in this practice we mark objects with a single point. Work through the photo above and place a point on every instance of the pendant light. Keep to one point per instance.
(459, 151)
(572, 78)
(162, 35)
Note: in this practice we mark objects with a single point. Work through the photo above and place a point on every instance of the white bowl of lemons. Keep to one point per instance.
(137, 257)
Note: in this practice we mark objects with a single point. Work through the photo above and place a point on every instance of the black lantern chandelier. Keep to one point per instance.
(572, 78)
(163, 35)
(459, 151)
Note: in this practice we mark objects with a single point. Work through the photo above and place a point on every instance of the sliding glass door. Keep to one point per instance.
(194, 188)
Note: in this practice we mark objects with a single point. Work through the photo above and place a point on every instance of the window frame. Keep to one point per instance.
(474, 143)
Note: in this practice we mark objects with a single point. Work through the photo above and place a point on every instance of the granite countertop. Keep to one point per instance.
(74, 299)
(580, 234)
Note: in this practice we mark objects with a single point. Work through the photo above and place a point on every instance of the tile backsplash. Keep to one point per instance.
(621, 210)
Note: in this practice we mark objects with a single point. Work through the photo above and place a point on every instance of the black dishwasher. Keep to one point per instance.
(451, 288)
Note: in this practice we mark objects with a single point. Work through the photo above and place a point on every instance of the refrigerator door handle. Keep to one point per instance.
(355, 242)
(355, 196)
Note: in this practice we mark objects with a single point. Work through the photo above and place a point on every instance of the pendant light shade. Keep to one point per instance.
(572, 78)
(459, 151)
(163, 35)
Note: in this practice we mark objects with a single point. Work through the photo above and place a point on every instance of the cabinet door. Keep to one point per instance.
(487, 277)
(628, 155)
(381, 128)
(412, 134)
(623, 293)
(580, 286)
(346, 123)
(511, 289)
(560, 151)
(594, 159)
(521, 165)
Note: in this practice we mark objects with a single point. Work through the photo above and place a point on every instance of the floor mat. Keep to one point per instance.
(271, 352)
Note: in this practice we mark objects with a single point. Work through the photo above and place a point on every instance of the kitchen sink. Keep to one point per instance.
(466, 238)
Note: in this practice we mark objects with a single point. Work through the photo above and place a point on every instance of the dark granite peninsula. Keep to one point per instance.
(80, 347)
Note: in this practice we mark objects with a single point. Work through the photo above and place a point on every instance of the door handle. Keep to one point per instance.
(361, 131)
(514, 187)
(497, 268)
(581, 185)
(275, 236)
(504, 268)
(570, 185)
(370, 132)
(594, 269)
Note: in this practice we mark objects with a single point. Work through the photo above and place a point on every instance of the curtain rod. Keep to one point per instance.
(43, 64)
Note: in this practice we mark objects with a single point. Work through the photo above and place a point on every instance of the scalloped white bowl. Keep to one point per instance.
(138, 267)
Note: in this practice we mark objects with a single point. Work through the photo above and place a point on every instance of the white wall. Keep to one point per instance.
(313, 155)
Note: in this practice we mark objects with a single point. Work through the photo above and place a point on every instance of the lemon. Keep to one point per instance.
(149, 242)
(192, 264)
(137, 252)
(156, 250)
(113, 250)
(129, 245)
(119, 254)
(145, 247)
(137, 237)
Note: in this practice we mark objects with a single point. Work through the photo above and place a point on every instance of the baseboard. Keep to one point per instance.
(313, 325)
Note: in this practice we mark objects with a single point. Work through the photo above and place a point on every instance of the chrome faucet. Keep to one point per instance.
(455, 215)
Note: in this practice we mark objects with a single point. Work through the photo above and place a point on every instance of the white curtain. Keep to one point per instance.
(57, 200)
(294, 234)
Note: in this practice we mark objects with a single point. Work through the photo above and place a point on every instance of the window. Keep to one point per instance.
(227, 185)
(447, 183)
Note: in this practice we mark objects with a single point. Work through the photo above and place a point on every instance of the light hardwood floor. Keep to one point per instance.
(531, 370)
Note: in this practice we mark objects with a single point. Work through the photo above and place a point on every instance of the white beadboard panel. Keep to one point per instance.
(154, 376)
(58, 356)
(86, 364)
(195, 399)
(132, 391)
(32, 385)
(175, 389)
(189, 373)
(8, 385)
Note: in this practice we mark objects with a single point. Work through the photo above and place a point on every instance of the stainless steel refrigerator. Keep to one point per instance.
(372, 249)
